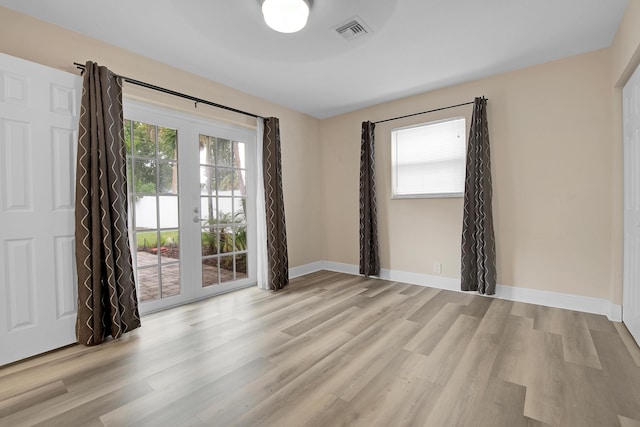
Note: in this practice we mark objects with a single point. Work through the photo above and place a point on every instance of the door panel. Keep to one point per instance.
(223, 208)
(39, 109)
(631, 127)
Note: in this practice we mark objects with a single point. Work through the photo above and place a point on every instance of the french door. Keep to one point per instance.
(192, 205)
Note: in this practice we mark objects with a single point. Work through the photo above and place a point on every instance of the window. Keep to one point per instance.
(428, 160)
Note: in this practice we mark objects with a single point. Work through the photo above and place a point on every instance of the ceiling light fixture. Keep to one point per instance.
(286, 16)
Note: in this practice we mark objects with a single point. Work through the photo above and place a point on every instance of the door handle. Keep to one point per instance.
(197, 217)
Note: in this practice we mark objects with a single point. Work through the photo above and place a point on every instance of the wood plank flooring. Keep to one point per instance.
(339, 350)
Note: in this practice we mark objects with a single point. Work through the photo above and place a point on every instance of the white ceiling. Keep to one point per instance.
(415, 45)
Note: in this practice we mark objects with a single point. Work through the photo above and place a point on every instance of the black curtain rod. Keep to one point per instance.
(178, 94)
(424, 112)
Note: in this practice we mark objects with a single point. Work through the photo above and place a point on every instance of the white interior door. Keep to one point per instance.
(38, 137)
(631, 129)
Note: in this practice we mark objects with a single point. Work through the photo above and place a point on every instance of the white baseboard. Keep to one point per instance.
(302, 270)
(438, 282)
(615, 313)
(340, 267)
(561, 300)
(530, 296)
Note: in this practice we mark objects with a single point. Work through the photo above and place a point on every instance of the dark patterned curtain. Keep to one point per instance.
(478, 242)
(107, 300)
(278, 258)
(369, 259)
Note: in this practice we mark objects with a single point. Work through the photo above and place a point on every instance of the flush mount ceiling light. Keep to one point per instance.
(286, 16)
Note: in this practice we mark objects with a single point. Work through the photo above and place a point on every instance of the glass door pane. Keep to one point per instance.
(223, 200)
(152, 163)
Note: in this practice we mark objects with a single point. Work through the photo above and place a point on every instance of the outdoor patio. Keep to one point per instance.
(148, 289)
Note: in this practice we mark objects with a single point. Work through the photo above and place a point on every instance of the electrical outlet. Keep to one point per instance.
(437, 267)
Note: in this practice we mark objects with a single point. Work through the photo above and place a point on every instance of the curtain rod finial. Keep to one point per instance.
(80, 67)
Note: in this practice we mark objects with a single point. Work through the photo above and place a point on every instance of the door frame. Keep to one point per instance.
(189, 127)
(631, 152)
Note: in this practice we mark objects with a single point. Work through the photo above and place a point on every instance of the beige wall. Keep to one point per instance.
(550, 128)
(37, 41)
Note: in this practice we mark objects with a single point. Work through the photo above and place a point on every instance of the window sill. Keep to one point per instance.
(427, 196)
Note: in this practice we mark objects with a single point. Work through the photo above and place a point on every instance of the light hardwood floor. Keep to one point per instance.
(339, 350)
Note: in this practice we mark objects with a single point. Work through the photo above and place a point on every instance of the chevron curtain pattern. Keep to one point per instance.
(278, 258)
(107, 300)
(478, 241)
(369, 259)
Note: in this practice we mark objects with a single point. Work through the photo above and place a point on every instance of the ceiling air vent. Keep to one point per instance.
(353, 29)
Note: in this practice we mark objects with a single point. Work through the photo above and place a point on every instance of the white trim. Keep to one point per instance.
(615, 313)
(145, 310)
(530, 296)
(261, 213)
(427, 196)
(305, 269)
(558, 300)
(340, 267)
(438, 282)
(170, 117)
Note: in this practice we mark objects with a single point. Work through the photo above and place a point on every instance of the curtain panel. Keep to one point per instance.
(478, 269)
(276, 231)
(369, 258)
(107, 299)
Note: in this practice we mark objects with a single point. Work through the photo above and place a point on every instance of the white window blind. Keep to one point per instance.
(429, 159)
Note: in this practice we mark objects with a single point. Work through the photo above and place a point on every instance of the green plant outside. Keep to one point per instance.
(149, 239)
(227, 238)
